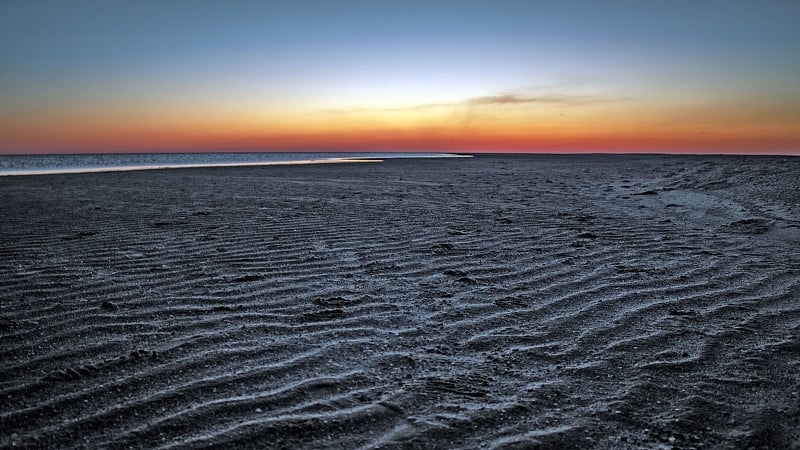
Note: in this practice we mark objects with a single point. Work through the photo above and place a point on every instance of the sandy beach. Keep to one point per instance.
(490, 302)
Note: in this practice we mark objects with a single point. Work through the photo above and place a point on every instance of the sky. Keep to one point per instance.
(679, 76)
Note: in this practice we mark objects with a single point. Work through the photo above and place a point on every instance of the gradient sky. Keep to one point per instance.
(555, 76)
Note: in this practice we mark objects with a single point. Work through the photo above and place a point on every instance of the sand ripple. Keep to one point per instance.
(505, 302)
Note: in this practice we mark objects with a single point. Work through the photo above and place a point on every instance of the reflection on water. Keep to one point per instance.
(61, 164)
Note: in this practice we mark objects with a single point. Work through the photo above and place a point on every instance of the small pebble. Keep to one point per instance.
(108, 306)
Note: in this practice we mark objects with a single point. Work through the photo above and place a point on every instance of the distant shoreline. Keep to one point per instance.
(76, 164)
(183, 166)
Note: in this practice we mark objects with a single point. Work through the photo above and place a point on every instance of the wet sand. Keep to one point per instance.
(497, 301)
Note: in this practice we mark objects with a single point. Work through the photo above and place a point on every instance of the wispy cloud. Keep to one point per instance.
(502, 99)
(512, 99)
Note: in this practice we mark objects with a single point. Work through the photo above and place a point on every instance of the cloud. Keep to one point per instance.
(511, 99)
(501, 99)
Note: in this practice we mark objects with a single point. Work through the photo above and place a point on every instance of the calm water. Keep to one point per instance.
(54, 164)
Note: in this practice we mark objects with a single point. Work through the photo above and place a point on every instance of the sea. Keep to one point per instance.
(11, 165)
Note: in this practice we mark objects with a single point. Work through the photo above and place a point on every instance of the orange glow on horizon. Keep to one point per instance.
(407, 140)
(499, 123)
(453, 133)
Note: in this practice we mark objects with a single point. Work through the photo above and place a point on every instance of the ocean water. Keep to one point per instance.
(59, 164)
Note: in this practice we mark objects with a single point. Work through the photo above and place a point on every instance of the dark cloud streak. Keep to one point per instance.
(512, 99)
(491, 100)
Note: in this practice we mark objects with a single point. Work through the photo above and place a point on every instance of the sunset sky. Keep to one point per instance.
(556, 76)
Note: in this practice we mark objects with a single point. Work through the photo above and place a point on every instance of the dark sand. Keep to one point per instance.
(564, 302)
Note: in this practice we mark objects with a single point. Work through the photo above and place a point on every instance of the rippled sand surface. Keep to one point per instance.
(506, 302)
